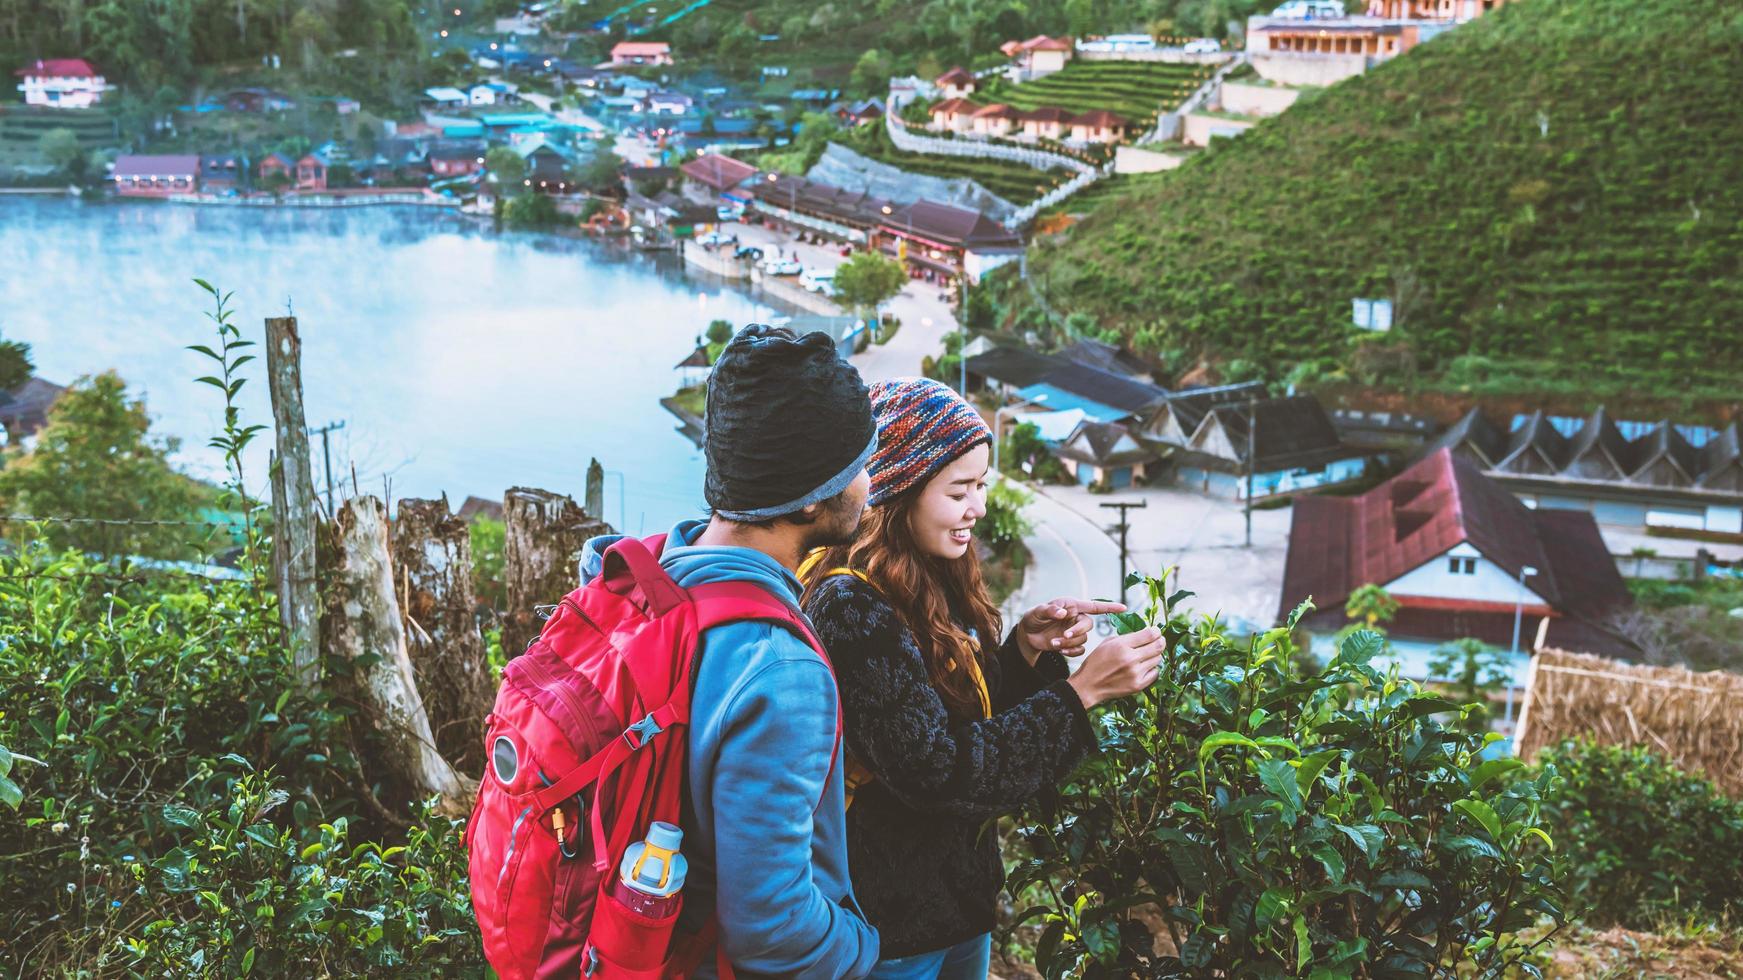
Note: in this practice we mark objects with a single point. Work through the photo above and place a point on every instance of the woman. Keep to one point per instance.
(946, 733)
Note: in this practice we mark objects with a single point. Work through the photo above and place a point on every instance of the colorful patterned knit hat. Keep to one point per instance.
(922, 427)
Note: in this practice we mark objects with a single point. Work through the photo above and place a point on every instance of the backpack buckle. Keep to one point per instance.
(646, 729)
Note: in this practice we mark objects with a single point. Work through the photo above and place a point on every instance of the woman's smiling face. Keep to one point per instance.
(950, 503)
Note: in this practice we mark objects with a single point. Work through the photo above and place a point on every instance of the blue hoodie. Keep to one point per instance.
(763, 852)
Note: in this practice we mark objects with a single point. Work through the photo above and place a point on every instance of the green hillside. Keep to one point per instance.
(1553, 195)
(1133, 89)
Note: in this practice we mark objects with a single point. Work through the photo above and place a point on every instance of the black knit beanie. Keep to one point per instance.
(789, 424)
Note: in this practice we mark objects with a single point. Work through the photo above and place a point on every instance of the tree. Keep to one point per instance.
(1473, 670)
(1372, 606)
(531, 211)
(15, 365)
(97, 459)
(867, 280)
(871, 74)
(60, 147)
(506, 167)
(602, 169)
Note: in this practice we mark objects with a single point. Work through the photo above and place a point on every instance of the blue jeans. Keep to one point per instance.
(968, 960)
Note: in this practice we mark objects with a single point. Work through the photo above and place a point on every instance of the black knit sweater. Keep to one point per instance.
(924, 863)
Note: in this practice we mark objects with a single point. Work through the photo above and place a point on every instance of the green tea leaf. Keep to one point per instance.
(1483, 814)
(1360, 647)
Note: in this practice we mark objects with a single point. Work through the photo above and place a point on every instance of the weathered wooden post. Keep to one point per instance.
(293, 501)
(362, 625)
(541, 555)
(432, 558)
(595, 495)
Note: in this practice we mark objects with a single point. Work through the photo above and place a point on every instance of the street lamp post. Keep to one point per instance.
(1525, 571)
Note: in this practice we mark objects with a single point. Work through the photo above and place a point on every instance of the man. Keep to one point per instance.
(789, 433)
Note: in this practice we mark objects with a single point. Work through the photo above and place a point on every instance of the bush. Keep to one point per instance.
(144, 842)
(1004, 526)
(1323, 825)
(1642, 840)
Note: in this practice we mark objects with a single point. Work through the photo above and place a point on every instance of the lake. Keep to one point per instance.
(460, 360)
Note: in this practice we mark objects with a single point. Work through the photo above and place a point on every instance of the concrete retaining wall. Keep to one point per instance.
(1290, 68)
(1248, 99)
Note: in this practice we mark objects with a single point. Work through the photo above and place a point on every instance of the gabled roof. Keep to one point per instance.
(999, 110)
(58, 68)
(1291, 431)
(955, 105)
(1598, 450)
(24, 408)
(1534, 447)
(1722, 460)
(1013, 366)
(1108, 357)
(157, 165)
(1100, 119)
(220, 165)
(1189, 406)
(1047, 114)
(718, 171)
(950, 225)
(631, 49)
(1060, 384)
(1473, 435)
(1338, 544)
(444, 93)
(1664, 457)
(1039, 42)
(958, 76)
(1105, 444)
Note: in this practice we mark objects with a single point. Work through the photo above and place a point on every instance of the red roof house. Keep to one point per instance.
(1460, 554)
(156, 175)
(63, 83)
(641, 53)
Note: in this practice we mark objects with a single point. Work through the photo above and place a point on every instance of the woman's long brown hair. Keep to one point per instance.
(938, 600)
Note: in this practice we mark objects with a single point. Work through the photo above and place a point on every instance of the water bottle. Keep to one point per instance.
(652, 872)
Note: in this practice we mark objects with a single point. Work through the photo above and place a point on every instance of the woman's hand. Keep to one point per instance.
(1061, 625)
(1122, 665)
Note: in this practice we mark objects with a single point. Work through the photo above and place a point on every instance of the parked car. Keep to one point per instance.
(782, 267)
(1203, 45)
(1310, 9)
(819, 281)
(714, 239)
(750, 252)
(727, 212)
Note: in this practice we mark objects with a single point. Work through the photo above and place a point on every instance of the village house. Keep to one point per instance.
(547, 165)
(1099, 126)
(1105, 454)
(641, 53)
(446, 97)
(715, 178)
(997, 119)
(667, 104)
(1055, 384)
(1453, 10)
(957, 83)
(490, 93)
(909, 88)
(1216, 436)
(1047, 122)
(1628, 474)
(954, 115)
(276, 168)
(947, 242)
(1038, 56)
(156, 175)
(257, 100)
(61, 83)
(311, 171)
(793, 203)
(398, 158)
(221, 173)
(24, 410)
(862, 111)
(1463, 558)
(456, 158)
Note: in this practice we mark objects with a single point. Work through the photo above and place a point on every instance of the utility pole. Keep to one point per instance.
(1123, 526)
(327, 457)
(1252, 428)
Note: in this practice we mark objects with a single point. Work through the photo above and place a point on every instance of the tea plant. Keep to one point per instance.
(1242, 820)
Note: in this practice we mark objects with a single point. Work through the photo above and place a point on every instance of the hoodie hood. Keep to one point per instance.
(692, 565)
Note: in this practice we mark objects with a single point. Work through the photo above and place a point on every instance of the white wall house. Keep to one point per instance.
(61, 83)
(1463, 573)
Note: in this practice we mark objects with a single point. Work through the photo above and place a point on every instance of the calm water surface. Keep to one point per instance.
(461, 361)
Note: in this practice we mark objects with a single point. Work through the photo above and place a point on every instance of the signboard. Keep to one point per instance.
(1372, 314)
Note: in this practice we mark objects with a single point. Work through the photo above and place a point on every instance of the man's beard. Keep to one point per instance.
(836, 524)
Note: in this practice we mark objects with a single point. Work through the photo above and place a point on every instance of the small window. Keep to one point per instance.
(1462, 566)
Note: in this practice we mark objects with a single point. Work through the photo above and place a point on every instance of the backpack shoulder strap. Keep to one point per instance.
(732, 602)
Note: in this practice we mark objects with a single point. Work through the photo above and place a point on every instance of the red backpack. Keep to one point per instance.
(585, 749)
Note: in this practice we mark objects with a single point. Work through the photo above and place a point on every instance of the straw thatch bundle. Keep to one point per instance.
(1694, 719)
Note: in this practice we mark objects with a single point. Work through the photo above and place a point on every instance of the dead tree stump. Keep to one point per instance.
(541, 553)
(432, 560)
(362, 625)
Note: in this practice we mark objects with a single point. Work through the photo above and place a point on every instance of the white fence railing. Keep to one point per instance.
(909, 141)
(1027, 214)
